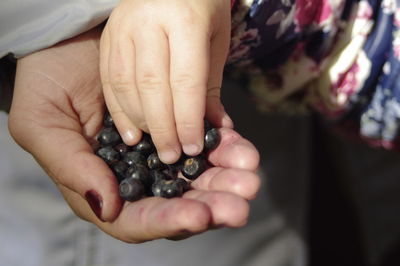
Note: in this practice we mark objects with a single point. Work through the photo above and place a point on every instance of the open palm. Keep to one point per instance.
(56, 113)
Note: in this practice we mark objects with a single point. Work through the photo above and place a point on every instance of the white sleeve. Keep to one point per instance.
(29, 25)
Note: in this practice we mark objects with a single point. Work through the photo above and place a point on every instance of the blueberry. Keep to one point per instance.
(167, 189)
(131, 189)
(134, 157)
(138, 172)
(173, 169)
(207, 125)
(154, 162)
(119, 168)
(182, 182)
(193, 167)
(108, 120)
(109, 136)
(157, 175)
(211, 139)
(176, 167)
(121, 148)
(156, 189)
(145, 145)
(108, 154)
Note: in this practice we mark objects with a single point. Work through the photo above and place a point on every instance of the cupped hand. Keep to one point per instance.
(56, 113)
(161, 67)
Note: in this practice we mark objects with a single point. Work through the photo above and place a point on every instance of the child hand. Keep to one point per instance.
(161, 67)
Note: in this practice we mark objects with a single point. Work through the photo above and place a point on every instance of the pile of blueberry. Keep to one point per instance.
(139, 170)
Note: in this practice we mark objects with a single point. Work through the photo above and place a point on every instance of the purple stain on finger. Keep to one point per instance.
(95, 202)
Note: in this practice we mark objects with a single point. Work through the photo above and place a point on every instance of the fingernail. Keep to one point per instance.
(168, 156)
(95, 202)
(129, 135)
(227, 121)
(191, 149)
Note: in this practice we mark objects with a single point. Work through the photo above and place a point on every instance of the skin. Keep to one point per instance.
(161, 67)
(56, 113)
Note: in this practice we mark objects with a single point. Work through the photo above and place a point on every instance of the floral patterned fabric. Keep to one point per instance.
(340, 58)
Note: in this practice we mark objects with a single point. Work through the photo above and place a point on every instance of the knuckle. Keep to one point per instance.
(147, 12)
(120, 84)
(158, 131)
(183, 82)
(150, 82)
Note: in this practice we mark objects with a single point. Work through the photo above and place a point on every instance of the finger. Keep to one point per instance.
(227, 209)
(189, 48)
(78, 205)
(215, 112)
(70, 161)
(234, 152)
(153, 218)
(241, 182)
(148, 219)
(115, 94)
(152, 68)
(57, 144)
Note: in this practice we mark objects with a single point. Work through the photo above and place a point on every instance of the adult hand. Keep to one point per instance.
(56, 113)
(161, 65)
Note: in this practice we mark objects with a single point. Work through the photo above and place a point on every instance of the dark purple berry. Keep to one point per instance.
(131, 189)
(122, 148)
(167, 189)
(156, 189)
(119, 168)
(157, 175)
(145, 145)
(109, 137)
(176, 167)
(108, 154)
(211, 139)
(108, 120)
(134, 157)
(207, 125)
(173, 169)
(139, 172)
(182, 182)
(193, 167)
(154, 162)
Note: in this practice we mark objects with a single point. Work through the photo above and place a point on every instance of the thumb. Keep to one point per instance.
(68, 159)
(70, 162)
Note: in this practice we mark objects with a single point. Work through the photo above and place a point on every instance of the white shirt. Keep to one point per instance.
(30, 25)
